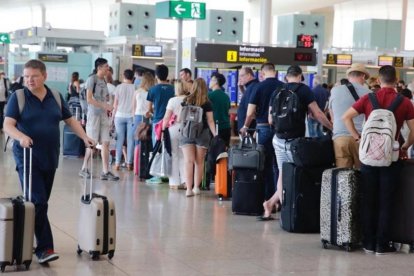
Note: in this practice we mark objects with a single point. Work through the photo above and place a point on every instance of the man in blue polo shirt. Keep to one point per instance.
(157, 99)
(37, 126)
(259, 107)
(248, 80)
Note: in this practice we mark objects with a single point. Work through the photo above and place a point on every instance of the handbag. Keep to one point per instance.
(162, 163)
(143, 132)
(247, 155)
(313, 152)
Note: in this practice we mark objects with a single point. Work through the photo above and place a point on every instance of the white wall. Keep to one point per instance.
(346, 13)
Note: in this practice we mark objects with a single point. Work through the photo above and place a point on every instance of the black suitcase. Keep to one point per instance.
(248, 192)
(301, 198)
(72, 144)
(144, 159)
(402, 226)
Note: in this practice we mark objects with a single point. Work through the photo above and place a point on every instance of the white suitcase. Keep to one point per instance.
(17, 220)
(97, 224)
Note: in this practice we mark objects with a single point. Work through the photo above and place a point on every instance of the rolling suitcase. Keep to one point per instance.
(97, 224)
(72, 144)
(222, 182)
(17, 220)
(248, 192)
(402, 229)
(300, 198)
(340, 201)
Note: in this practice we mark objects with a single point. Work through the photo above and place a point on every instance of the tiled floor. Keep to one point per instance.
(161, 232)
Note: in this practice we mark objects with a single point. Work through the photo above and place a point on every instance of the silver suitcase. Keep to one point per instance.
(97, 224)
(340, 201)
(17, 220)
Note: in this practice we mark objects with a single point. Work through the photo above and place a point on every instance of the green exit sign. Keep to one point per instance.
(181, 10)
(4, 38)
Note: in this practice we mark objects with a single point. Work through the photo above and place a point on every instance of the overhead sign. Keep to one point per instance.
(339, 59)
(392, 61)
(304, 41)
(53, 58)
(146, 50)
(180, 10)
(254, 54)
(4, 38)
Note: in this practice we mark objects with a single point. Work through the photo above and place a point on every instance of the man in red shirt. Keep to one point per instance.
(378, 183)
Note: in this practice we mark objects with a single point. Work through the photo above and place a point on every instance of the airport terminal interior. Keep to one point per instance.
(159, 230)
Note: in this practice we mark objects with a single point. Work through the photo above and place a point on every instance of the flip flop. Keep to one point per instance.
(263, 218)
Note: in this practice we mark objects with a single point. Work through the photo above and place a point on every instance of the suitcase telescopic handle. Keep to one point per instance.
(90, 179)
(27, 195)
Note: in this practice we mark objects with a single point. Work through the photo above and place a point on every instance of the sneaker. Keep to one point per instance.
(189, 193)
(154, 180)
(385, 249)
(368, 250)
(109, 176)
(84, 173)
(47, 256)
(196, 190)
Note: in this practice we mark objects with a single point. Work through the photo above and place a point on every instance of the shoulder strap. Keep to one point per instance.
(95, 80)
(20, 99)
(56, 95)
(351, 89)
(396, 102)
(373, 99)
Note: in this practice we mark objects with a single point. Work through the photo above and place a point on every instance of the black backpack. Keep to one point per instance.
(288, 113)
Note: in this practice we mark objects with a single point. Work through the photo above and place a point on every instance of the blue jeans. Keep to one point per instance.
(123, 125)
(138, 120)
(378, 188)
(271, 172)
(41, 190)
(314, 128)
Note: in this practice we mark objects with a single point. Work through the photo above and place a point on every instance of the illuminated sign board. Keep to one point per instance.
(339, 59)
(146, 50)
(392, 61)
(304, 41)
(53, 58)
(243, 54)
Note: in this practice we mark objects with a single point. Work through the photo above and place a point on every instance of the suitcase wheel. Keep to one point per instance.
(348, 248)
(111, 254)
(325, 244)
(95, 256)
(411, 248)
(3, 268)
(27, 266)
(79, 251)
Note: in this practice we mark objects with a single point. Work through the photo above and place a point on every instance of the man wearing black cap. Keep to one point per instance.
(281, 146)
(258, 107)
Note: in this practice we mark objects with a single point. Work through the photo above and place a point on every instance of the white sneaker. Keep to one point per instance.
(189, 193)
(196, 190)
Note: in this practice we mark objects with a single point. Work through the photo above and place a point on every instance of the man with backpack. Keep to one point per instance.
(342, 98)
(258, 108)
(98, 124)
(287, 112)
(378, 151)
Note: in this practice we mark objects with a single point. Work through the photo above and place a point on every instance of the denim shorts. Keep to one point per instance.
(203, 140)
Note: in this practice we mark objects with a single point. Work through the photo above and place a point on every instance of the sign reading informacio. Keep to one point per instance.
(225, 53)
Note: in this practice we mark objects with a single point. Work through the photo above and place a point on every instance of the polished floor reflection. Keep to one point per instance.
(161, 232)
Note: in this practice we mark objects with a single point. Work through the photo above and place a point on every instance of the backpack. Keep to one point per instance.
(21, 100)
(191, 117)
(288, 113)
(378, 134)
(82, 95)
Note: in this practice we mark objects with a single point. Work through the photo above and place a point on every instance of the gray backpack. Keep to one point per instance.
(191, 117)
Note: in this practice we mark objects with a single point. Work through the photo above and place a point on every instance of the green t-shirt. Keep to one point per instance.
(221, 106)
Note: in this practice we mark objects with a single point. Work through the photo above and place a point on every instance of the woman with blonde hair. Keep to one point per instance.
(141, 106)
(194, 149)
(176, 179)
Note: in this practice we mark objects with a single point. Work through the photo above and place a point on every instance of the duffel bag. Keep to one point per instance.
(313, 152)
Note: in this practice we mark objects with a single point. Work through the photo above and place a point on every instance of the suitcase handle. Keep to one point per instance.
(27, 196)
(339, 215)
(90, 181)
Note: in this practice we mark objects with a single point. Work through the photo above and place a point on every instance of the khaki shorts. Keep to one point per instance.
(346, 152)
(97, 127)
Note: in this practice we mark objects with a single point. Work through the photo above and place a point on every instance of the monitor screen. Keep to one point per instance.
(230, 87)
(205, 73)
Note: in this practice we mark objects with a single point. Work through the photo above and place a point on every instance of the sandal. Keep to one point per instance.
(263, 218)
